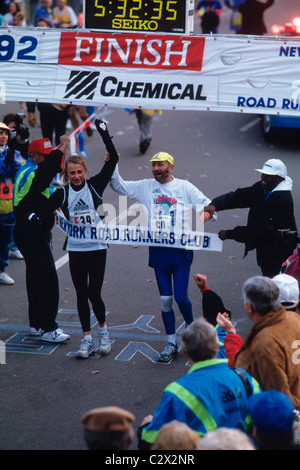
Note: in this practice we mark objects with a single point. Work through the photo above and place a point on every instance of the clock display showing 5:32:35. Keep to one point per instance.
(136, 15)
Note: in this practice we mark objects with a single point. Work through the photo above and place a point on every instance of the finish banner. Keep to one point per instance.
(250, 74)
(140, 236)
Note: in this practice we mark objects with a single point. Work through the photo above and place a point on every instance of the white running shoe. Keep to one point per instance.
(56, 336)
(168, 353)
(35, 331)
(16, 254)
(86, 348)
(104, 342)
(6, 279)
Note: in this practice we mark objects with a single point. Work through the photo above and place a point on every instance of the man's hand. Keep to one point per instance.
(222, 235)
(224, 323)
(201, 280)
(31, 119)
(147, 420)
(64, 143)
(207, 213)
(107, 157)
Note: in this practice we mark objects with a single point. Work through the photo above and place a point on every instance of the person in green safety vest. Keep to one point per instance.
(209, 396)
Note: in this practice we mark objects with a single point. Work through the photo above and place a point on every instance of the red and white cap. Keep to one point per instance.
(40, 146)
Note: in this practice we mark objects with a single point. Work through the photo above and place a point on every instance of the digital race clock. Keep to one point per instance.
(144, 16)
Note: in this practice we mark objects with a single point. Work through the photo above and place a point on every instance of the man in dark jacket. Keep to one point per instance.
(212, 303)
(271, 211)
(32, 188)
(253, 16)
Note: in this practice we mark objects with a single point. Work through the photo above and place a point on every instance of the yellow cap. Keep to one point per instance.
(162, 157)
(4, 126)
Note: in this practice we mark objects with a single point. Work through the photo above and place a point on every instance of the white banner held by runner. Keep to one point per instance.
(156, 71)
(141, 236)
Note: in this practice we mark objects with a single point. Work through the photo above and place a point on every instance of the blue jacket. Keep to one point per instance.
(43, 13)
(215, 4)
(236, 18)
(7, 176)
(221, 336)
(209, 396)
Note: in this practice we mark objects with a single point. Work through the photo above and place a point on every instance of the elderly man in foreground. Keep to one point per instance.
(209, 396)
(270, 352)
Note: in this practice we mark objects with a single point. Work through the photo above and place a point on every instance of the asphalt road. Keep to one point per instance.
(44, 390)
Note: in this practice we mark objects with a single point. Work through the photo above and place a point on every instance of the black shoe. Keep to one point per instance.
(144, 145)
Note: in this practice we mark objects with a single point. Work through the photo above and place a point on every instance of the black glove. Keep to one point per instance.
(101, 128)
(9, 157)
(107, 139)
(34, 220)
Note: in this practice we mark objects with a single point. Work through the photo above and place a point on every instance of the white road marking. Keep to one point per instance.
(250, 125)
(61, 261)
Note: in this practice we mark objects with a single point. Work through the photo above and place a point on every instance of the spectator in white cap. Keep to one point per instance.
(274, 167)
(288, 291)
(271, 212)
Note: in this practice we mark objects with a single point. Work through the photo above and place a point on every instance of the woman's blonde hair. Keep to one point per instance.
(76, 159)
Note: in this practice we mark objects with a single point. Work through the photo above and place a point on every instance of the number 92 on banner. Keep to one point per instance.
(14, 48)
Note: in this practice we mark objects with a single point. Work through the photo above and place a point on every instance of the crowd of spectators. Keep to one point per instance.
(42, 13)
(246, 18)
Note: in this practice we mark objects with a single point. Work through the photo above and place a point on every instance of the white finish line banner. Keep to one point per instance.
(234, 73)
(141, 236)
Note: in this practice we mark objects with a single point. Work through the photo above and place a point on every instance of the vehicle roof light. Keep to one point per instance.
(275, 29)
(288, 28)
(296, 21)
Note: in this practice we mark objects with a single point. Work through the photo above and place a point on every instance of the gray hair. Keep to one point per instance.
(225, 439)
(200, 340)
(262, 293)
